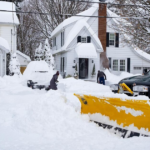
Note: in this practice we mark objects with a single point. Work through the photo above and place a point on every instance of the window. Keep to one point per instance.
(119, 65)
(137, 68)
(63, 64)
(54, 42)
(112, 39)
(122, 65)
(62, 38)
(83, 40)
(115, 65)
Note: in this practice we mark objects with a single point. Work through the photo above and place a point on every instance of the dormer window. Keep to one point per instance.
(112, 39)
(83, 40)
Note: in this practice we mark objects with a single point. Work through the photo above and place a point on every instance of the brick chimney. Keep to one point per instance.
(102, 27)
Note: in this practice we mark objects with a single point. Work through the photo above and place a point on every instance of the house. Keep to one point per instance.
(4, 49)
(76, 43)
(122, 56)
(8, 33)
(77, 40)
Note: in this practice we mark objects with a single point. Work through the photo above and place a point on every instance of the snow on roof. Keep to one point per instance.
(85, 50)
(73, 19)
(23, 55)
(4, 45)
(8, 17)
(76, 29)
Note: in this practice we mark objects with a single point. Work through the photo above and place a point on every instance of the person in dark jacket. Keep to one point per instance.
(100, 77)
(53, 81)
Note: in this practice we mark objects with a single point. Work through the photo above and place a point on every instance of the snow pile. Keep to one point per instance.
(4, 45)
(52, 120)
(83, 87)
(114, 79)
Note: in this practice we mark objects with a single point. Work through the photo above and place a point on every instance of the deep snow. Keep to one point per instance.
(40, 120)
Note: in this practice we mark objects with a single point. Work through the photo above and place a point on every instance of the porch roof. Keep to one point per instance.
(4, 45)
(85, 50)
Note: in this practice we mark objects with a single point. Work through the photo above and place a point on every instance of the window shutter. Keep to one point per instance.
(78, 39)
(128, 65)
(107, 39)
(61, 38)
(109, 63)
(88, 39)
(117, 40)
(61, 64)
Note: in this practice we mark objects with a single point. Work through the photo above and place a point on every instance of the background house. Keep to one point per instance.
(23, 60)
(122, 56)
(8, 32)
(4, 49)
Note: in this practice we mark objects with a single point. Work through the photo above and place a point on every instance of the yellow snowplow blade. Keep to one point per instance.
(125, 88)
(109, 107)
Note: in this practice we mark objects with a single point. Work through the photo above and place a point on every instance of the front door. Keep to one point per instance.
(83, 68)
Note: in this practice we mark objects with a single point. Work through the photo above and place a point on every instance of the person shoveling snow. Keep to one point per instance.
(53, 81)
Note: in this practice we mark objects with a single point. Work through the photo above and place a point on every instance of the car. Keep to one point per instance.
(140, 85)
(38, 75)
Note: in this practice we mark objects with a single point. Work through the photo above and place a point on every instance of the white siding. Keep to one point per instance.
(5, 32)
(124, 53)
(84, 33)
(93, 23)
(23, 62)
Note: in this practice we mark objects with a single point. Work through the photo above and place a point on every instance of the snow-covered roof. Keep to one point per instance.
(75, 31)
(85, 50)
(8, 17)
(4, 45)
(73, 19)
(23, 55)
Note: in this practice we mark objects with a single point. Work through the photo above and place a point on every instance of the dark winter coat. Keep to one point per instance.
(53, 81)
(100, 74)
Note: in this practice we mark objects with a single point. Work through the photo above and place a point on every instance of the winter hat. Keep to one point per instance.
(57, 72)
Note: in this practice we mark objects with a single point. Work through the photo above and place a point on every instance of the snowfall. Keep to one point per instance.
(41, 120)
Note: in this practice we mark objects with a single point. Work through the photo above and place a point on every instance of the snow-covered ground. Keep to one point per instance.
(40, 120)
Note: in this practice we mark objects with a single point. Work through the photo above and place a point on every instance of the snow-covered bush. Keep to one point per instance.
(14, 65)
(39, 53)
(45, 54)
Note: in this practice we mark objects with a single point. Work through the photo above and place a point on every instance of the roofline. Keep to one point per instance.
(23, 55)
(134, 51)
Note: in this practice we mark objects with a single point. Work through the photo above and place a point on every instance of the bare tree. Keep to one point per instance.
(136, 31)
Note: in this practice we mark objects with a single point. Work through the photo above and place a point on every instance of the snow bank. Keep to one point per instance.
(83, 87)
(114, 79)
